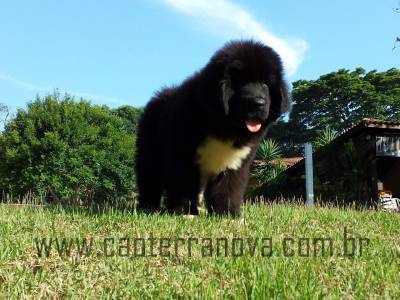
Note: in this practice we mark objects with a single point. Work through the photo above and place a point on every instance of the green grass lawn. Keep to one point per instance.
(250, 269)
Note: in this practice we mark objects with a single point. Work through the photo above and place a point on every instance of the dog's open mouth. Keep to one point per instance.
(253, 125)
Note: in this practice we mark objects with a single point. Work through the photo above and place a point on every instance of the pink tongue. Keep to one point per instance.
(253, 126)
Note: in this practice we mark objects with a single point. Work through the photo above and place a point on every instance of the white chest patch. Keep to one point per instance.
(215, 156)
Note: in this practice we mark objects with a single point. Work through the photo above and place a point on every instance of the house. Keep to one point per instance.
(359, 165)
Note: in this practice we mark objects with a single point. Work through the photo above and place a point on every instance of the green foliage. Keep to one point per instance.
(396, 43)
(325, 137)
(130, 115)
(268, 170)
(4, 113)
(268, 150)
(290, 137)
(268, 173)
(2, 107)
(76, 151)
(338, 100)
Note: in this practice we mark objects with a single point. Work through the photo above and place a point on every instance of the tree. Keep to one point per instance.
(4, 113)
(76, 151)
(338, 100)
(130, 116)
(290, 137)
(396, 43)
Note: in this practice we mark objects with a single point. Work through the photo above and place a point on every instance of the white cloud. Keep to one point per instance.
(230, 20)
(37, 88)
(24, 84)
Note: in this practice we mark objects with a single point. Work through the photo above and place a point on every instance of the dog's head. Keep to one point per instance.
(251, 88)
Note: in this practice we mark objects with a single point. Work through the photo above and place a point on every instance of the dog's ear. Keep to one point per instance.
(281, 101)
(226, 93)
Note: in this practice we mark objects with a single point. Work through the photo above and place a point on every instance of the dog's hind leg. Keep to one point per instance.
(182, 189)
(149, 157)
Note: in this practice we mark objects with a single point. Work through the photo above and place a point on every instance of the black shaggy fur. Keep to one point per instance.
(243, 81)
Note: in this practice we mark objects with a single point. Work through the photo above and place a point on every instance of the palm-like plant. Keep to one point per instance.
(270, 166)
(268, 150)
(325, 137)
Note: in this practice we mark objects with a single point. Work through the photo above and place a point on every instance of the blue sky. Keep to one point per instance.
(119, 52)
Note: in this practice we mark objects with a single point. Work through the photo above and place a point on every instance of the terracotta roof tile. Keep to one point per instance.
(289, 161)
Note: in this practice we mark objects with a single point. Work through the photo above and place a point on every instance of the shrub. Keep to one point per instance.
(268, 170)
(74, 150)
(130, 115)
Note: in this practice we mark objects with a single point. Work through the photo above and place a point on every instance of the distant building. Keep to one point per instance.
(355, 167)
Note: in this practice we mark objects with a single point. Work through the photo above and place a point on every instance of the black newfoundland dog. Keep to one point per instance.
(201, 136)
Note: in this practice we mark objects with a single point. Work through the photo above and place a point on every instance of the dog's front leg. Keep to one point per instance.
(224, 193)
